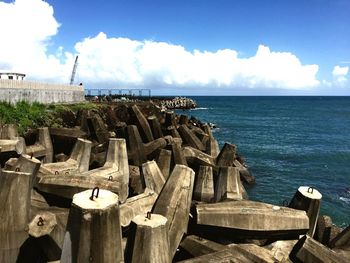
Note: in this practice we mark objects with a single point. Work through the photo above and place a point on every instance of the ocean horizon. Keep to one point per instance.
(287, 142)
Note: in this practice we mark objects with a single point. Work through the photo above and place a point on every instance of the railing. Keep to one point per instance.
(33, 85)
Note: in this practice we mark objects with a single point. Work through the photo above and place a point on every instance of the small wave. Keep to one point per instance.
(344, 199)
(201, 108)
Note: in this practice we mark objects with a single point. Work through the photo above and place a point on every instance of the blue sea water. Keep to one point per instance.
(288, 142)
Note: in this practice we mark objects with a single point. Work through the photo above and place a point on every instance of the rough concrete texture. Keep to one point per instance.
(13, 91)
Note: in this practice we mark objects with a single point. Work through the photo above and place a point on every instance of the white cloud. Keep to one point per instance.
(340, 75)
(123, 62)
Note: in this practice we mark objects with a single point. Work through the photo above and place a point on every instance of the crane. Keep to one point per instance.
(74, 70)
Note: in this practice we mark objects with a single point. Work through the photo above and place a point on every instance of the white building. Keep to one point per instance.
(12, 75)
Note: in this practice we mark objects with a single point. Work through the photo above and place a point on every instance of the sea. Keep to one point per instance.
(288, 142)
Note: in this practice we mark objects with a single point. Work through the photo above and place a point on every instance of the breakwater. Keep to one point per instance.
(154, 184)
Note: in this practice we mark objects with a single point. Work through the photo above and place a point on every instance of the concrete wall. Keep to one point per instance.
(13, 91)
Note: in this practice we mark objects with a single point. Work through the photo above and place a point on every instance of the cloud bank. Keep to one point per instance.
(123, 62)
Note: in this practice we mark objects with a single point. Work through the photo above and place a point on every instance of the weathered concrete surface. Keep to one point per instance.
(137, 205)
(77, 162)
(281, 249)
(198, 157)
(342, 239)
(308, 199)
(177, 154)
(227, 155)
(164, 162)
(155, 127)
(42, 147)
(309, 250)
(190, 138)
(174, 203)
(251, 218)
(229, 185)
(198, 246)
(243, 253)
(93, 229)
(42, 224)
(325, 230)
(142, 124)
(246, 176)
(148, 240)
(9, 140)
(137, 150)
(15, 190)
(13, 91)
(204, 185)
(154, 179)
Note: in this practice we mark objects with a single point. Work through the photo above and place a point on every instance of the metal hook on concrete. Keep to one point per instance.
(67, 173)
(149, 215)
(40, 222)
(93, 193)
(17, 169)
(110, 178)
(310, 190)
(56, 173)
(31, 155)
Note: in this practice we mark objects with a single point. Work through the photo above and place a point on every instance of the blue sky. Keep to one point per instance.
(174, 46)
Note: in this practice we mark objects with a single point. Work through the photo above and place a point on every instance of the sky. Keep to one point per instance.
(182, 47)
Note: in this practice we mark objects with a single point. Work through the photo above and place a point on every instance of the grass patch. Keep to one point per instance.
(34, 115)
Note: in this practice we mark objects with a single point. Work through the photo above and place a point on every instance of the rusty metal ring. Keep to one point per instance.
(310, 188)
(93, 193)
(40, 222)
(149, 215)
(57, 173)
(110, 178)
(17, 169)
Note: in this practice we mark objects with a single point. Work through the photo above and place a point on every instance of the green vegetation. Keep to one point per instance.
(26, 115)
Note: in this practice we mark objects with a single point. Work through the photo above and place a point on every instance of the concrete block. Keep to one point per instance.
(245, 175)
(243, 253)
(281, 249)
(198, 246)
(77, 162)
(154, 179)
(155, 127)
(42, 224)
(198, 157)
(177, 154)
(229, 185)
(142, 124)
(227, 155)
(93, 228)
(251, 219)
(15, 190)
(204, 185)
(325, 230)
(309, 250)
(42, 147)
(342, 239)
(309, 200)
(137, 205)
(190, 138)
(9, 140)
(174, 203)
(136, 182)
(164, 162)
(148, 240)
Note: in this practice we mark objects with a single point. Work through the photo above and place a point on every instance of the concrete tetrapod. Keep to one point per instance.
(309, 250)
(227, 155)
(198, 246)
(164, 162)
(204, 186)
(43, 146)
(229, 185)
(9, 140)
(148, 240)
(155, 127)
(251, 219)
(77, 162)
(137, 150)
(15, 190)
(243, 253)
(142, 124)
(189, 137)
(93, 229)
(174, 203)
(153, 177)
(309, 200)
(342, 239)
(137, 205)
(196, 156)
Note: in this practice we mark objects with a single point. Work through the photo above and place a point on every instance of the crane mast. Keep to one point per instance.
(74, 70)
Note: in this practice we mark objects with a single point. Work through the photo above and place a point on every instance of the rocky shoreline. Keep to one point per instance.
(135, 182)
